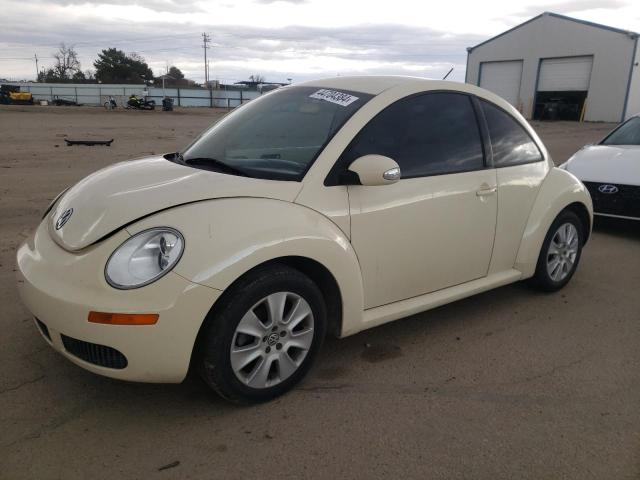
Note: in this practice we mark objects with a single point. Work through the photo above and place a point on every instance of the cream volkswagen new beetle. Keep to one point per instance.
(331, 206)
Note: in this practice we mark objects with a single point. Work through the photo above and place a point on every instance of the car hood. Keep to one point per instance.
(124, 192)
(607, 164)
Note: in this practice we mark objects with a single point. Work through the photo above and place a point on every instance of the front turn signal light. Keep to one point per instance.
(123, 318)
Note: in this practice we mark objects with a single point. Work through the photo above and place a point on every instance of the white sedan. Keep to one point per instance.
(611, 171)
(327, 207)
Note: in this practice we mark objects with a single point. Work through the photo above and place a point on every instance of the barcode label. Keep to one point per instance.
(334, 96)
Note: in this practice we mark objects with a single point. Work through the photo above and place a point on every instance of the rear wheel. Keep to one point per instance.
(560, 253)
(264, 337)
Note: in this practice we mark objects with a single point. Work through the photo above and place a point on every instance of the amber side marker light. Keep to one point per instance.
(123, 318)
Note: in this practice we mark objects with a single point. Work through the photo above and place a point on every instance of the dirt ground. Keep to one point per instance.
(507, 384)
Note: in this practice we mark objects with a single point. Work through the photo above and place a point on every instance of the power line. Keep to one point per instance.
(345, 52)
(100, 42)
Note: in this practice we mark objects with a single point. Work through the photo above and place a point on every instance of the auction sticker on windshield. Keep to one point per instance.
(334, 96)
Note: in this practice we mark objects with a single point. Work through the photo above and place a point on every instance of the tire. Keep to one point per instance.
(556, 251)
(223, 349)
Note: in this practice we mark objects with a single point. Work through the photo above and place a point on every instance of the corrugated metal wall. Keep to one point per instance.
(98, 94)
(552, 37)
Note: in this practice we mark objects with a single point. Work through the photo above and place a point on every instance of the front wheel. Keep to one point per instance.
(560, 253)
(261, 341)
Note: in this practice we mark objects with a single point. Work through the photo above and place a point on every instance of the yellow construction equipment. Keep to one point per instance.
(21, 97)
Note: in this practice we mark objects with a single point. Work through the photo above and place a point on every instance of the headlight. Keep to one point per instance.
(144, 258)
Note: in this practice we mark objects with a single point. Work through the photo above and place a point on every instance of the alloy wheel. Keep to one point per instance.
(562, 252)
(272, 340)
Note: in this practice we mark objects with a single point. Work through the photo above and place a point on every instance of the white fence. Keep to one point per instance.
(98, 94)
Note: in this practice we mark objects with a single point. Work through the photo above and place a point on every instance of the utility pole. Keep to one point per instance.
(35, 55)
(205, 46)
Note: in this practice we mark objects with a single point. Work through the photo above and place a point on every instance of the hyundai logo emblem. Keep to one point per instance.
(64, 218)
(608, 189)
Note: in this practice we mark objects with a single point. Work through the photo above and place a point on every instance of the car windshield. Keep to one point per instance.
(626, 134)
(277, 136)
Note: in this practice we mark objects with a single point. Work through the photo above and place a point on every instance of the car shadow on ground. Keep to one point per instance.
(339, 364)
(342, 361)
(618, 227)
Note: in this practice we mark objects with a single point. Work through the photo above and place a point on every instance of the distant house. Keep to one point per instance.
(261, 86)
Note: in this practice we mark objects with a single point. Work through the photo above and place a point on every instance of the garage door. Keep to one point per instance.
(502, 78)
(565, 74)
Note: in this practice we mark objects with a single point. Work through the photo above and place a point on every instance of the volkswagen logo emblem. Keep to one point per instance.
(64, 218)
(608, 189)
(273, 339)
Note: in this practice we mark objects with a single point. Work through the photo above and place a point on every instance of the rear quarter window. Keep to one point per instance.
(510, 142)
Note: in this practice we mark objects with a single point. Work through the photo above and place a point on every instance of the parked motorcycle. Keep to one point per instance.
(138, 103)
(110, 104)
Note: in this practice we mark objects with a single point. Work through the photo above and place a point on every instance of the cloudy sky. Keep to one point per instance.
(279, 39)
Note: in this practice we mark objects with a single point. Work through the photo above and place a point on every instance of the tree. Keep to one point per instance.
(66, 68)
(173, 78)
(114, 66)
(256, 78)
(176, 73)
(79, 77)
(48, 76)
(67, 63)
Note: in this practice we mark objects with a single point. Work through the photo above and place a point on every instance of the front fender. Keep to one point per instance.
(226, 238)
(559, 190)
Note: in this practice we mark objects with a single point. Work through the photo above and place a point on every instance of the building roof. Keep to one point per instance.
(251, 83)
(562, 17)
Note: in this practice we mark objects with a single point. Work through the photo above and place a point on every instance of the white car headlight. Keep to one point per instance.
(144, 258)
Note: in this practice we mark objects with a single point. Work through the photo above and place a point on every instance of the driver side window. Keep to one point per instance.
(429, 134)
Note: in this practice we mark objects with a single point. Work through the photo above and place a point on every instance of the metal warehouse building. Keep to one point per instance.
(557, 67)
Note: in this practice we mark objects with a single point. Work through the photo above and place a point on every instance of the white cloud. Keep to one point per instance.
(280, 38)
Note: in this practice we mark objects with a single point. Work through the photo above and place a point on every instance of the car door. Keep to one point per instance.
(520, 169)
(435, 227)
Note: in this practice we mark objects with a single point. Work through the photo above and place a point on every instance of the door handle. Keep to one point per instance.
(484, 191)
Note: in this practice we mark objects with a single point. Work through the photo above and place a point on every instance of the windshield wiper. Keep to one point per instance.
(220, 165)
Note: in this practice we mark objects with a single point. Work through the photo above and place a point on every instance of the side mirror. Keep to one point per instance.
(375, 170)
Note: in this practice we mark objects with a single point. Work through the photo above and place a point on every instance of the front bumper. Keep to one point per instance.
(60, 288)
(617, 200)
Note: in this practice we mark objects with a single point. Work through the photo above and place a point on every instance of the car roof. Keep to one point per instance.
(376, 84)
(372, 84)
